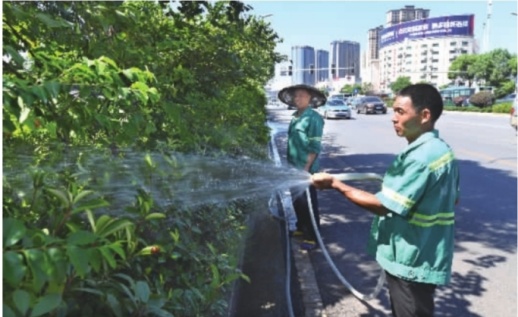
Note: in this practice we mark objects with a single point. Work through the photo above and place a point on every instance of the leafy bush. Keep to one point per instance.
(482, 99)
(504, 107)
(77, 250)
(110, 76)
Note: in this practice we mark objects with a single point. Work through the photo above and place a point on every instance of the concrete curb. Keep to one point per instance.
(311, 297)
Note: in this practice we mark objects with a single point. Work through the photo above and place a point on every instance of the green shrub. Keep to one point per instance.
(504, 107)
(72, 248)
(115, 75)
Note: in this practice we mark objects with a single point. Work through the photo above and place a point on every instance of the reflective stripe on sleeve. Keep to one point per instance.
(440, 219)
(397, 197)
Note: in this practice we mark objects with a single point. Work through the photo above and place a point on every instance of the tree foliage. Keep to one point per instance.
(400, 83)
(151, 76)
(495, 68)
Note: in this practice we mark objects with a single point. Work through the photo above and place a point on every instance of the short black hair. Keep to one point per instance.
(424, 96)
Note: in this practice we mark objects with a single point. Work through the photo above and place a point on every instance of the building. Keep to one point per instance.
(345, 58)
(302, 58)
(408, 13)
(322, 66)
(374, 43)
(424, 49)
(280, 80)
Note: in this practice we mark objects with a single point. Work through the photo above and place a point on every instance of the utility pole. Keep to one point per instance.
(486, 35)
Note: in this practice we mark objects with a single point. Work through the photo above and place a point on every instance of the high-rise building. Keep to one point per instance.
(322, 65)
(374, 43)
(302, 58)
(408, 13)
(345, 58)
(424, 50)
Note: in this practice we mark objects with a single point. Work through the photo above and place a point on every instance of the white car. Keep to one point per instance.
(336, 109)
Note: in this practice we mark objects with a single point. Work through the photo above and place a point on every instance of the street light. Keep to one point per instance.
(265, 16)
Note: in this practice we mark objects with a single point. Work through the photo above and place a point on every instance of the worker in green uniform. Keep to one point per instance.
(304, 145)
(412, 235)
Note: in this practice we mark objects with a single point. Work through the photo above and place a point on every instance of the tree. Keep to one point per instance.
(462, 68)
(347, 89)
(494, 68)
(367, 89)
(400, 83)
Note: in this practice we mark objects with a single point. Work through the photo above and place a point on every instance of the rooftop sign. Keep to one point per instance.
(455, 25)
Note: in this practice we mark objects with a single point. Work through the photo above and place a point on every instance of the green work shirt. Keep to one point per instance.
(415, 240)
(304, 137)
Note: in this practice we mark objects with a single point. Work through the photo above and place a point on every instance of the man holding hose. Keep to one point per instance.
(413, 231)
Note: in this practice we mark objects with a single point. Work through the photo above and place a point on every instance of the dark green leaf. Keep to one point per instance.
(108, 256)
(46, 304)
(114, 226)
(142, 291)
(114, 305)
(79, 259)
(51, 22)
(14, 268)
(39, 266)
(14, 230)
(22, 300)
(81, 238)
(95, 259)
(91, 204)
(7, 311)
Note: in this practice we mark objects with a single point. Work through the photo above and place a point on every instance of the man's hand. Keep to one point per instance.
(322, 180)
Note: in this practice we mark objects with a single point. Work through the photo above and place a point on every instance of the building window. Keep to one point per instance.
(453, 43)
(436, 44)
(465, 43)
(424, 45)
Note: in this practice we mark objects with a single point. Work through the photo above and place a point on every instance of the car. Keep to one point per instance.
(353, 102)
(371, 104)
(339, 96)
(514, 113)
(336, 109)
(508, 98)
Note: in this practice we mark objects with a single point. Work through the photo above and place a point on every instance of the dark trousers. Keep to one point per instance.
(300, 204)
(410, 299)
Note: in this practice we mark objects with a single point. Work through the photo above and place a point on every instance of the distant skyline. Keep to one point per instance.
(318, 23)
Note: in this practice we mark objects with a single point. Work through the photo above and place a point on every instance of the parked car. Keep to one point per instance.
(371, 104)
(508, 98)
(336, 109)
(514, 113)
(339, 96)
(353, 102)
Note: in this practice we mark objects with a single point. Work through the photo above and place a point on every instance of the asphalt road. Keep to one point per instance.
(484, 270)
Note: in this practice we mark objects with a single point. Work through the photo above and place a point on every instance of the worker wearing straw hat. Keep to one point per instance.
(304, 143)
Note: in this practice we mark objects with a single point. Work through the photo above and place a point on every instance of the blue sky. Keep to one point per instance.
(318, 23)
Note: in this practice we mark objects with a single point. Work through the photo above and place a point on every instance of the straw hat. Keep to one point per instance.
(317, 97)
